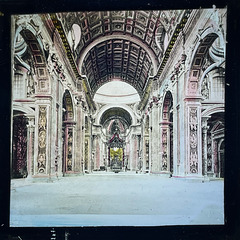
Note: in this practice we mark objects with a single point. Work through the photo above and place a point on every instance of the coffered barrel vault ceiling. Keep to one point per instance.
(124, 45)
(117, 59)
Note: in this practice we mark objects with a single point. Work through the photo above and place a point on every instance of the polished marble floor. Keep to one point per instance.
(116, 199)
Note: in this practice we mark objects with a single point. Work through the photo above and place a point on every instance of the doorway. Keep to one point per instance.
(19, 146)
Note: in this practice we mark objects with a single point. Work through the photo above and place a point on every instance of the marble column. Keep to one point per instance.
(91, 149)
(144, 159)
(87, 143)
(155, 139)
(214, 157)
(78, 156)
(30, 145)
(133, 152)
(150, 149)
(98, 156)
(145, 144)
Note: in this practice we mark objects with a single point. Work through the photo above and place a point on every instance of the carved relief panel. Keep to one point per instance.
(42, 136)
(69, 150)
(164, 149)
(86, 154)
(209, 152)
(193, 141)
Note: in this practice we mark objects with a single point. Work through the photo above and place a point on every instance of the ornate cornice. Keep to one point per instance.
(59, 27)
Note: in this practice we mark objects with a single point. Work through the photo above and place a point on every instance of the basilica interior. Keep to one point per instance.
(118, 91)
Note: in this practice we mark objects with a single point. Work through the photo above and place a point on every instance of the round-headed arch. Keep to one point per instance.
(68, 106)
(125, 107)
(118, 36)
(167, 106)
(119, 57)
(198, 62)
(116, 113)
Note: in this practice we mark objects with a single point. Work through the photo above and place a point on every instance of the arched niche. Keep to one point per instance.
(67, 103)
(212, 85)
(213, 142)
(74, 36)
(166, 133)
(68, 133)
(167, 107)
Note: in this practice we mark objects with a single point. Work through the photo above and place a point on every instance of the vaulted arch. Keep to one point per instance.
(203, 59)
(106, 108)
(30, 61)
(116, 113)
(118, 57)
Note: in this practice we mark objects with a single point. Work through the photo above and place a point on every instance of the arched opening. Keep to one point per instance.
(116, 113)
(116, 150)
(215, 145)
(206, 80)
(68, 133)
(201, 61)
(167, 134)
(19, 145)
(116, 123)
